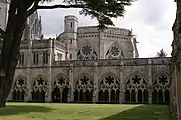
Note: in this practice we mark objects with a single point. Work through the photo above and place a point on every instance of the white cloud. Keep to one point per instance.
(151, 21)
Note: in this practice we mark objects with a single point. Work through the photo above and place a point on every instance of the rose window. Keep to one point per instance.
(163, 80)
(61, 81)
(136, 80)
(40, 82)
(109, 80)
(21, 82)
(86, 50)
(115, 51)
(84, 80)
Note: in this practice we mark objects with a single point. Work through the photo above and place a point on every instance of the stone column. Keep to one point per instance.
(28, 95)
(61, 96)
(71, 83)
(121, 94)
(96, 89)
(109, 96)
(69, 95)
(149, 81)
(150, 96)
(136, 91)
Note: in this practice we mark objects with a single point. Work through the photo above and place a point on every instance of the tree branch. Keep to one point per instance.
(2, 33)
(61, 6)
(35, 7)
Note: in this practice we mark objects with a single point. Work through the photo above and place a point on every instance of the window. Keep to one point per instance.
(70, 56)
(71, 24)
(21, 59)
(71, 41)
(0, 9)
(59, 56)
(45, 57)
(35, 58)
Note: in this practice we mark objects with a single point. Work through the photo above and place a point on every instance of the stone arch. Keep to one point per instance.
(86, 52)
(114, 51)
(109, 85)
(161, 84)
(39, 88)
(60, 88)
(83, 88)
(138, 86)
(19, 88)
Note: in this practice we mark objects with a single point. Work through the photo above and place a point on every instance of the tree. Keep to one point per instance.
(161, 53)
(19, 10)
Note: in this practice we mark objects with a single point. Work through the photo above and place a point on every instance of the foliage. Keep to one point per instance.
(19, 10)
(162, 53)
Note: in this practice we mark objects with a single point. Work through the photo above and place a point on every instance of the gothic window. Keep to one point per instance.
(136, 81)
(161, 82)
(71, 25)
(45, 57)
(21, 59)
(70, 56)
(109, 81)
(115, 51)
(20, 84)
(59, 56)
(84, 82)
(35, 58)
(86, 50)
(161, 86)
(71, 41)
(40, 84)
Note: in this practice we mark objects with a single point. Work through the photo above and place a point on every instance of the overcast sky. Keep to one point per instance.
(151, 21)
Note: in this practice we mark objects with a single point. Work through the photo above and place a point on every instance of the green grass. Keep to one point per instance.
(52, 111)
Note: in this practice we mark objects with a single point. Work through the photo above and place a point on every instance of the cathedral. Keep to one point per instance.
(86, 65)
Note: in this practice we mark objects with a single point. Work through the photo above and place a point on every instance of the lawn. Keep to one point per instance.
(52, 111)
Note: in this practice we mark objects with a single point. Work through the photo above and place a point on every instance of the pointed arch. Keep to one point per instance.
(161, 84)
(20, 83)
(39, 83)
(19, 88)
(136, 83)
(162, 80)
(136, 73)
(86, 51)
(84, 81)
(108, 74)
(114, 51)
(60, 81)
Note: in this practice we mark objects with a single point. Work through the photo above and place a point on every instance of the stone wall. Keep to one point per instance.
(101, 75)
(176, 66)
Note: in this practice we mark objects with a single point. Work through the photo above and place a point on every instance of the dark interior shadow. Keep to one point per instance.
(143, 112)
(21, 109)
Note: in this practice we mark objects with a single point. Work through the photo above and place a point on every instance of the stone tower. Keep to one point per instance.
(4, 6)
(70, 31)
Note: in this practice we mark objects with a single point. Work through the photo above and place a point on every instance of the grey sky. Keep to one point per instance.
(151, 21)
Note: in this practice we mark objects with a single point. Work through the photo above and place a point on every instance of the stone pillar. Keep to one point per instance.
(150, 96)
(121, 94)
(71, 82)
(69, 95)
(149, 81)
(96, 89)
(61, 95)
(136, 96)
(48, 93)
(28, 95)
(109, 96)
